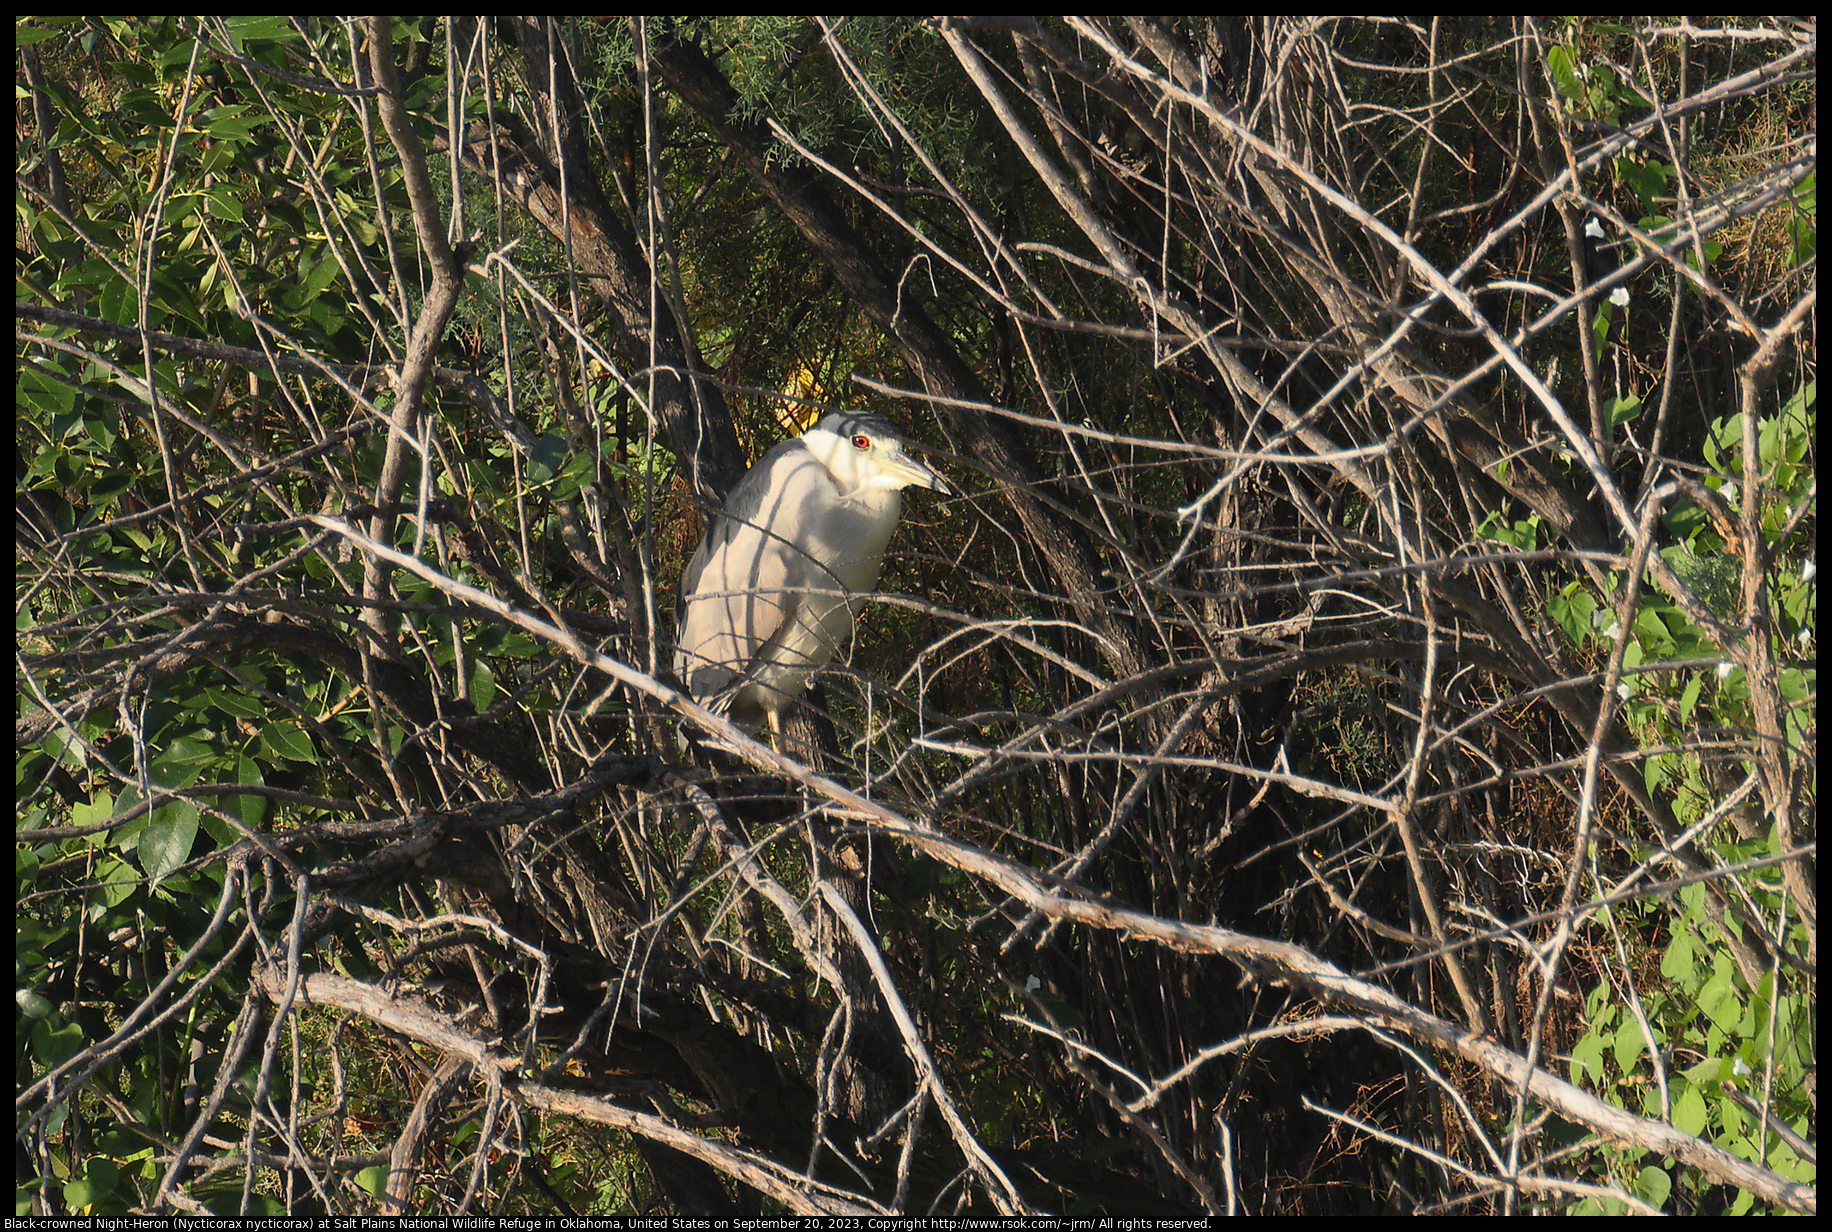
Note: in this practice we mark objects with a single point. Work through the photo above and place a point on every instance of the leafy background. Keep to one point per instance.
(1349, 748)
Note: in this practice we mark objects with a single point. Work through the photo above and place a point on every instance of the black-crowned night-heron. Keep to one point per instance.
(784, 567)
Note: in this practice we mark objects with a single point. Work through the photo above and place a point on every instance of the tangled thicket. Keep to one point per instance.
(1349, 748)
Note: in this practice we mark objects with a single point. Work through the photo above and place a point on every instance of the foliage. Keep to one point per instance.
(1359, 715)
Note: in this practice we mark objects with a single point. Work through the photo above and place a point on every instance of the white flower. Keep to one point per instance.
(1619, 297)
(1724, 668)
(1614, 631)
(1032, 983)
(1623, 691)
(1808, 570)
(1594, 229)
(1729, 493)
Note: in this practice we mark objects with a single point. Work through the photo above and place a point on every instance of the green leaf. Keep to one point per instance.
(1618, 411)
(1574, 610)
(483, 687)
(316, 275)
(167, 842)
(1629, 1044)
(53, 1044)
(1653, 632)
(1688, 700)
(1562, 63)
(250, 808)
(1719, 999)
(283, 738)
(544, 460)
(118, 882)
(93, 810)
(1599, 327)
(1710, 249)
(1690, 1116)
(25, 867)
(1647, 179)
(224, 204)
(1587, 1061)
(25, 36)
(272, 29)
(32, 1005)
(1653, 1186)
(1678, 963)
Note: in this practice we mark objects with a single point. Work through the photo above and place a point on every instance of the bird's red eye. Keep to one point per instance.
(861, 441)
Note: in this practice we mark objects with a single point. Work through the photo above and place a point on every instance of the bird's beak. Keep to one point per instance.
(914, 473)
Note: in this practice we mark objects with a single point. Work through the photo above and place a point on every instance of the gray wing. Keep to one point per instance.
(740, 593)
